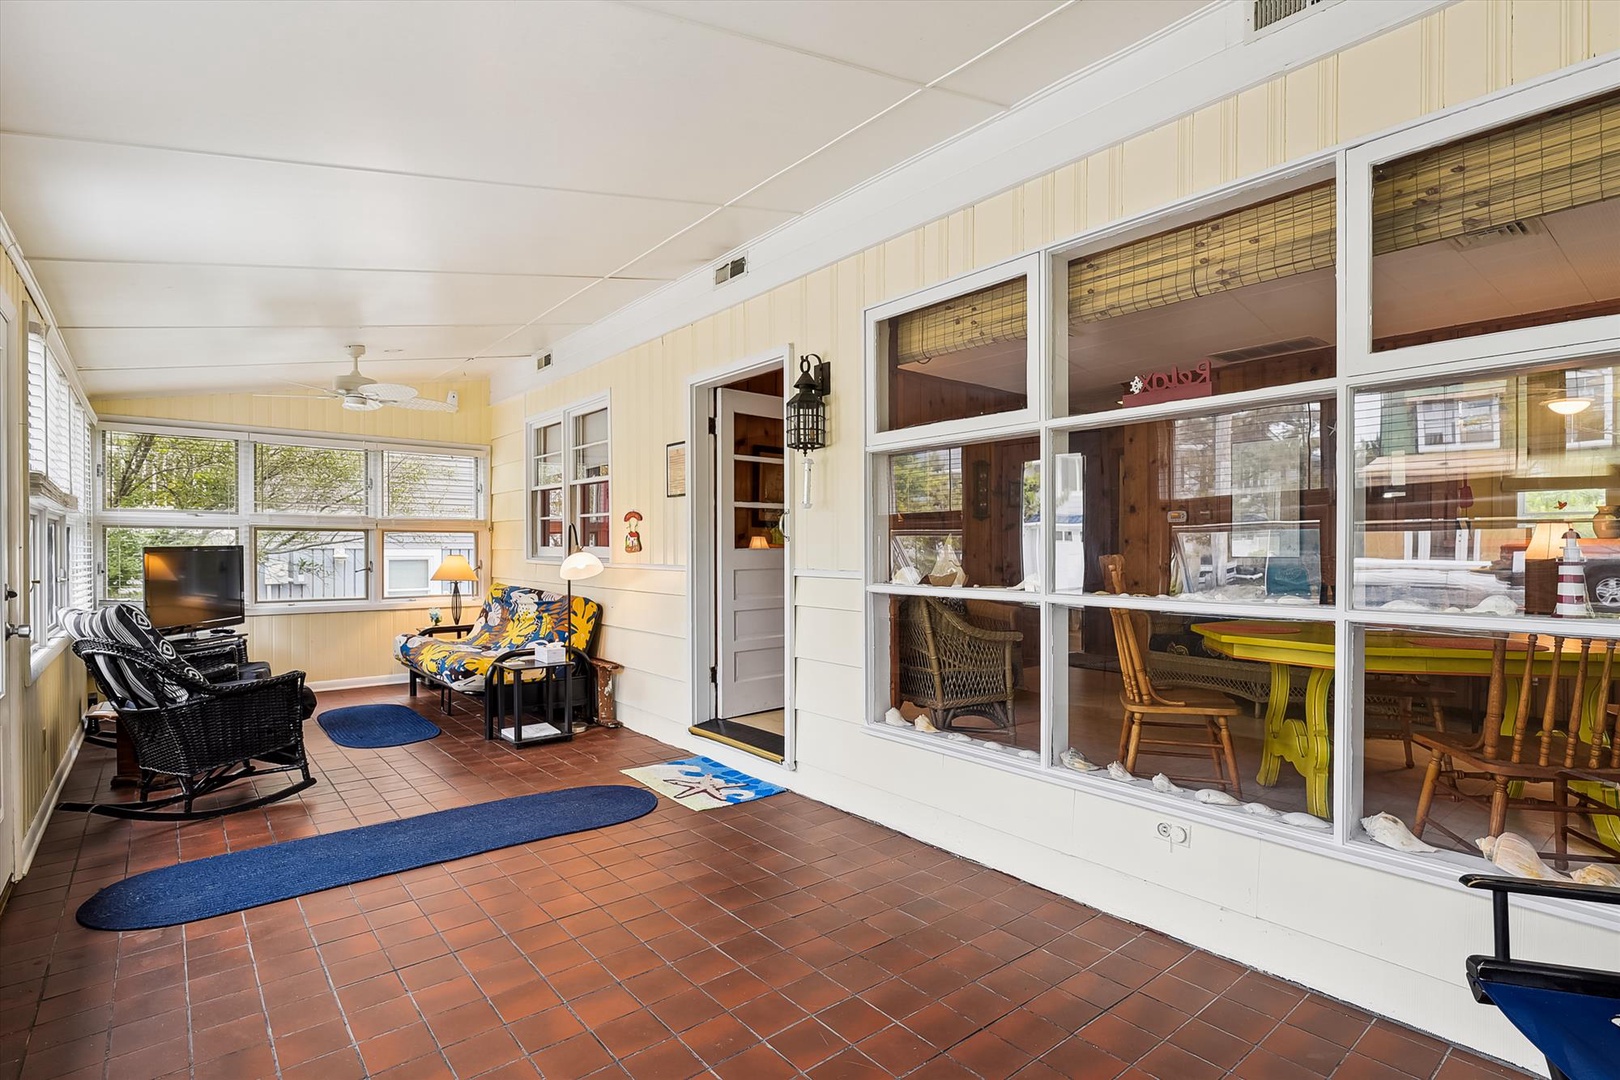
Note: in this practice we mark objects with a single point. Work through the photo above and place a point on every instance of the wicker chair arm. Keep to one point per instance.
(89, 647)
(957, 622)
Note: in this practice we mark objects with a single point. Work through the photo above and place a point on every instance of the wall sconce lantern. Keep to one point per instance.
(806, 427)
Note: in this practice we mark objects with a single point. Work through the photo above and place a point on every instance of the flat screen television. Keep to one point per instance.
(194, 588)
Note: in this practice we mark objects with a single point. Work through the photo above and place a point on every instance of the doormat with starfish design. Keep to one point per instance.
(700, 783)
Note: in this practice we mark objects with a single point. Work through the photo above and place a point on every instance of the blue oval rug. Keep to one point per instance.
(367, 727)
(238, 880)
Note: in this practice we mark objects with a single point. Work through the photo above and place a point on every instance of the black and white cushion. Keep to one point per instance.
(126, 624)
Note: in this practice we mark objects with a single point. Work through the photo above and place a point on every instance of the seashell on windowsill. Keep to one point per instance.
(1391, 831)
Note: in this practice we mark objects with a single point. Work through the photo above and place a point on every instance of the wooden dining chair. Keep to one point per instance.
(1405, 693)
(1193, 721)
(1571, 757)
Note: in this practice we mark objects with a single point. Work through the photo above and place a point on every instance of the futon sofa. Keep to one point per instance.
(514, 619)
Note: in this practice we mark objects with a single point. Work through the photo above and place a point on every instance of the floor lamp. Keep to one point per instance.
(578, 566)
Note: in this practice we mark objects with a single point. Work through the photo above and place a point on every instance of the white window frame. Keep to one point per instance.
(567, 417)
(386, 559)
(1357, 368)
(245, 519)
(54, 518)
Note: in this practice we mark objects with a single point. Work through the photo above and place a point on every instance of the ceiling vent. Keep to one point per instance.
(1496, 234)
(1275, 348)
(542, 360)
(1271, 12)
(733, 269)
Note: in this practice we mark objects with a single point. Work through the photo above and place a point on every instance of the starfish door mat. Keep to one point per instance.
(700, 783)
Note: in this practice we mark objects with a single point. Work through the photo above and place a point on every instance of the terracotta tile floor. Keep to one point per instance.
(779, 939)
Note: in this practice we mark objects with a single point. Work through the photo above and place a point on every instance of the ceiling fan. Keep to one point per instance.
(358, 393)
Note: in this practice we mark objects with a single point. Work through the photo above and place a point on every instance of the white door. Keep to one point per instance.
(10, 611)
(751, 553)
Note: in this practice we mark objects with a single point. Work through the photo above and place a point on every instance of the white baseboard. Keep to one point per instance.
(47, 806)
(365, 680)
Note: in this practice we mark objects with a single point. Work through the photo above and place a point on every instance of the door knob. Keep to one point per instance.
(24, 631)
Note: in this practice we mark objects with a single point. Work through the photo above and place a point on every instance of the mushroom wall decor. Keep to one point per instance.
(632, 537)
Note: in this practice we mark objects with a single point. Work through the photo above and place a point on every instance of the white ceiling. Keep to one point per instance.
(221, 196)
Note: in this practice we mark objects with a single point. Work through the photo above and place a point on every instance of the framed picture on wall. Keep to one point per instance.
(675, 470)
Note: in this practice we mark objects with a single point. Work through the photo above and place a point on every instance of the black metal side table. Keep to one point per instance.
(508, 674)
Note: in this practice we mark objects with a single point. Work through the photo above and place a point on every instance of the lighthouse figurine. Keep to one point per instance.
(1572, 598)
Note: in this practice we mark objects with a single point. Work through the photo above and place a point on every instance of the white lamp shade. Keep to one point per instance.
(455, 568)
(580, 565)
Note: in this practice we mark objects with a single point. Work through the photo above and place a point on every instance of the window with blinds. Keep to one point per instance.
(1506, 229)
(1239, 301)
(429, 485)
(37, 396)
(963, 357)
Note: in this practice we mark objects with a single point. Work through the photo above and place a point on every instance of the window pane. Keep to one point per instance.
(308, 479)
(594, 519)
(168, 472)
(410, 559)
(430, 485)
(37, 394)
(1235, 506)
(1239, 302)
(592, 427)
(1260, 709)
(971, 668)
(966, 515)
(1511, 228)
(965, 357)
(308, 564)
(548, 454)
(125, 548)
(1465, 491)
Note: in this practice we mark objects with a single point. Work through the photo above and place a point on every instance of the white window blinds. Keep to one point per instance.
(36, 403)
(429, 485)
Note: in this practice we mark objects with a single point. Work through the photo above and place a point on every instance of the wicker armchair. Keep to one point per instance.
(220, 733)
(953, 668)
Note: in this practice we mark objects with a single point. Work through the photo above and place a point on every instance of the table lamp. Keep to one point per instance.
(455, 569)
(1541, 567)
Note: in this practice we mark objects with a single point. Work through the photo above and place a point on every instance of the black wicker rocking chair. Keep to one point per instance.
(221, 734)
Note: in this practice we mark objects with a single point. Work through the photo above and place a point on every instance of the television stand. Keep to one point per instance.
(212, 651)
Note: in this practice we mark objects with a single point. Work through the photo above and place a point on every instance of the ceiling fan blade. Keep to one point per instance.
(425, 405)
(391, 393)
(326, 391)
(295, 397)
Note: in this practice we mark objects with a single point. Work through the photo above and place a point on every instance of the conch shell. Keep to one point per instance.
(1259, 810)
(922, 723)
(894, 718)
(1516, 855)
(1214, 796)
(1597, 874)
(1391, 831)
(1163, 783)
(1074, 759)
(1119, 772)
(1306, 821)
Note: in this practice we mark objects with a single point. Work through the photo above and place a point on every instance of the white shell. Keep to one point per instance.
(894, 719)
(1306, 821)
(1119, 772)
(907, 575)
(988, 745)
(1163, 783)
(1391, 831)
(1597, 874)
(1516, 855)
(1495, 605)
(924, 724)
(1259, 810)
(1074, 759)
(1214, 796)
(957, 736)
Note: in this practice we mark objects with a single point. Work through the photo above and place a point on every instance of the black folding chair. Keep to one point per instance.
(1570, 1014)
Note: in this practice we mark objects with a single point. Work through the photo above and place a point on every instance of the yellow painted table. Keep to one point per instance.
(1308, 744)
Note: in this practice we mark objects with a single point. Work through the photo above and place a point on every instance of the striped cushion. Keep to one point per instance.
(125, 624)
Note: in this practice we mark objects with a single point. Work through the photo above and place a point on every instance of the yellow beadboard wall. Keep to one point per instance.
(469, 424)
(45, 711)
(326, 646)
(1310, 917)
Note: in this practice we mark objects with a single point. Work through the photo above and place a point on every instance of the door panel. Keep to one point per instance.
(750, 553)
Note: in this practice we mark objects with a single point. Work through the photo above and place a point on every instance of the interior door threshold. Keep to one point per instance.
(750, 740)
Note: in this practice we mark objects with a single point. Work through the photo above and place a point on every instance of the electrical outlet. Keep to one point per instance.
(1177, 835)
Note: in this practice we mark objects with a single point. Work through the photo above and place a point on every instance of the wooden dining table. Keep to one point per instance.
(1307, 744)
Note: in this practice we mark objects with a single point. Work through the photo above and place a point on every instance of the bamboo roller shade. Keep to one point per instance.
(1276, 239)
(1551, 162)
(998, 313)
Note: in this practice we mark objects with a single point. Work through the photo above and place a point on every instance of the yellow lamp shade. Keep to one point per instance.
(455, 568)
(758, 543)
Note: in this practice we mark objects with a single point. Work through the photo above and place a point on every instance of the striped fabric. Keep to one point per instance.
(127, 624)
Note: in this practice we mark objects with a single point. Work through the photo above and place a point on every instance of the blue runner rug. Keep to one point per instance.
(367, 727)
(221, 884)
